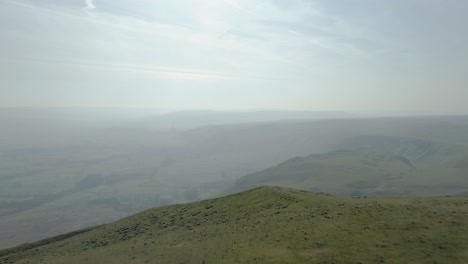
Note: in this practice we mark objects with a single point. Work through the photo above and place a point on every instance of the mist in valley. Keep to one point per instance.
(66, 169)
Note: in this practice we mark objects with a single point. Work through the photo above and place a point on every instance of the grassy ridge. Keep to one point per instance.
(365, 171)
(273, 225)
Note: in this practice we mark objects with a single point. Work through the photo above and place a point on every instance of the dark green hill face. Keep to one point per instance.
(421, 153)
(370, 170)
(271, 225)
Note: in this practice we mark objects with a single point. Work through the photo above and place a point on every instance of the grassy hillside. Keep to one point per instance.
(271, 225)
(368, 171)
(421, 153)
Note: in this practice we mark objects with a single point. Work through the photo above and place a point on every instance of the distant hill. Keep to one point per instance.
(423, 153)
(270, 225)
(183, 120)
(368, 171)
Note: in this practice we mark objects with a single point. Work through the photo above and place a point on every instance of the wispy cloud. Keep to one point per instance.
(241, 45)
(232, 3)
(160, 71)
(331, 45)
(90, 4)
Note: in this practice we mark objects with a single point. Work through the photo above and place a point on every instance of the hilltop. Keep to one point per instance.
(270, 225)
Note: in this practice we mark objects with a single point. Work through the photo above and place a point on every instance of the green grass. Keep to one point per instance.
(364, 171)
(271, 225)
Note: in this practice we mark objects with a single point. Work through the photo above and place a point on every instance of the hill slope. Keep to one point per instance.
(364, 171)
(271, 225)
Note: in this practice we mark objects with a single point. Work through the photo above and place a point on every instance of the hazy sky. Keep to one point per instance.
(357, 55)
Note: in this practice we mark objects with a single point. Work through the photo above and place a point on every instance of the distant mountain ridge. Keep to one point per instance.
(367, 170)
(183, 120)
(419, 151)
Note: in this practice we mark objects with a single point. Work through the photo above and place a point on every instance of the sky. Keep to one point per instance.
(399, 56)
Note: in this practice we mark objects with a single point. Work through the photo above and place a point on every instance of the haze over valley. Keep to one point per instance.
(66, 171)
